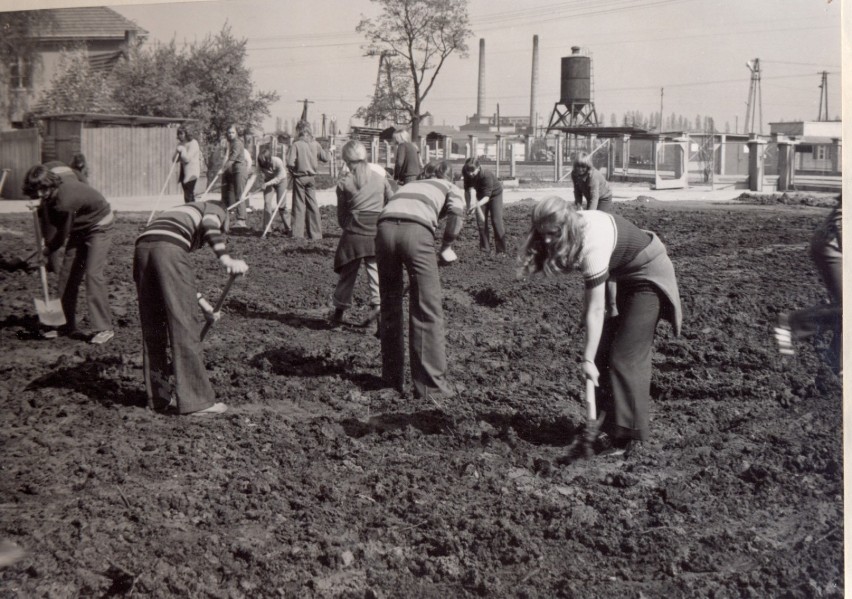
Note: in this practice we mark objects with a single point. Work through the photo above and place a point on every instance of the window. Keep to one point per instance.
(819, 152)
(19, 74)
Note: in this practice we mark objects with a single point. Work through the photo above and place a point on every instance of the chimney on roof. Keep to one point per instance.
(480, 92)
(129, 41)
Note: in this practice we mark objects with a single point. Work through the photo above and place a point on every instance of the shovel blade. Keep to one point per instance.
(50, 312)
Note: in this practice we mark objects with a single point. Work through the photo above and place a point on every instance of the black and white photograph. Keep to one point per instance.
(377, 299)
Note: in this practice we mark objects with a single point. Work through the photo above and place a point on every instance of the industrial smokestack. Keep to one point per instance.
(480, 92)
(534, 85)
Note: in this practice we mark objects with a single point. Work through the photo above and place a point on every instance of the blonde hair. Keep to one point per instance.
(401, 136)
(304, 131)
(355, 156)
(584, 159)
(563, 254)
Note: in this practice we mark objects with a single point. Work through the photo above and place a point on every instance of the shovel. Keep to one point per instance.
(219, 304)
(593, 423)
(49, 310)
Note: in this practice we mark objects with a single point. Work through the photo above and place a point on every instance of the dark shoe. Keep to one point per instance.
(618, 449)
(337, 317)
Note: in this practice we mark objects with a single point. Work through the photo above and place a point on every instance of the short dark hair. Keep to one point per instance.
(78, 162)
(186, 132)
(470, 165)
(39, 178)
(264, 159)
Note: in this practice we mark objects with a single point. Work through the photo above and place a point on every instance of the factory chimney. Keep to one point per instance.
(480, 93)
(534, 85)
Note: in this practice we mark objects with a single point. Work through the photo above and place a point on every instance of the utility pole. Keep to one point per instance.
(823, 96)
(661, 109)
(305, 103)
(755, 98)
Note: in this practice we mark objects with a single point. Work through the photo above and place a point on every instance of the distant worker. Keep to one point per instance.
(407, 165)
(406, 243)
(188, 154)
(361, 196)
(274, 177)
(589, 183)
(165, 283)
(302, 162)
(487, 206)
(80, 167)
(233, 174)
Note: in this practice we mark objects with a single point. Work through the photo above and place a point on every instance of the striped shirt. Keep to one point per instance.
(425, 202)
(609, 242)
(189, 226)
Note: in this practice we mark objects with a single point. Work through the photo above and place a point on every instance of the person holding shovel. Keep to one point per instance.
(233, 173)
(406, 166)
(406, 242)
(188, 154)
(274, 187)
(83, 220)
(302, 162)
(165, 283)
(488, 204)
(361, 195)
(604, 247)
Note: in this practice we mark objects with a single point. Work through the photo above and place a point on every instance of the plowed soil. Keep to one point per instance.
(320, 483)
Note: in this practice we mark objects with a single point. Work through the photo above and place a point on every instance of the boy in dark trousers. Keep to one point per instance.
(83, 224)
(165, 284)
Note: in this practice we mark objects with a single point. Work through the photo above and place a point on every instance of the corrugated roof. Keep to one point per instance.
(91, 22)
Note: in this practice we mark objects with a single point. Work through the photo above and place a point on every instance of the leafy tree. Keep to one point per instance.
(76, 87)
(613, 120)
(225, 94)
(420, 35)
(156, 82)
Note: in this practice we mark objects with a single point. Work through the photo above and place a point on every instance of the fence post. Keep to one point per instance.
(785, 164)
(497, 155)
(511, 160)
(557, 158)
(755, 164)
(374, 149)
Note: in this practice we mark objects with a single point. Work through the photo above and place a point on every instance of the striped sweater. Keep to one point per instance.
(190, 226)
(425, 202)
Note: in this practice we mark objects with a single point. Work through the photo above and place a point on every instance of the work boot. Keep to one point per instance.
(337, 317)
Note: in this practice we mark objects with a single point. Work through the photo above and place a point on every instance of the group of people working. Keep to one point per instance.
(389, 226)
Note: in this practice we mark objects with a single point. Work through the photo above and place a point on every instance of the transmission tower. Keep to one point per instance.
(823, 96)
(755, 98)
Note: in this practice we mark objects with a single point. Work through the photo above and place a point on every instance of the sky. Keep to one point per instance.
(695, 51)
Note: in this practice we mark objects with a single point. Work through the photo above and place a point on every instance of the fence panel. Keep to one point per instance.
(19, 150)
(131, 161)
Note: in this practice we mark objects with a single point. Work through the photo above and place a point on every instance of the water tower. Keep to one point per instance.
(575, 107)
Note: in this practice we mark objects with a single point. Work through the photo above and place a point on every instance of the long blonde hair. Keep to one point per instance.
(354, 154)
(561, 256)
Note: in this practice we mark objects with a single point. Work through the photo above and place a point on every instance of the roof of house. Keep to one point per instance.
(90, 22)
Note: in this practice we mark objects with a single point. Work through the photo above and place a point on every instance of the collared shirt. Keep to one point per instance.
(593, 186)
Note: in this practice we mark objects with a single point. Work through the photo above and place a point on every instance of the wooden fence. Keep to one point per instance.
(131, 161)
(19, 150)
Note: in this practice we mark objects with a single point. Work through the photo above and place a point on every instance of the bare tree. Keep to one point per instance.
(421, 34)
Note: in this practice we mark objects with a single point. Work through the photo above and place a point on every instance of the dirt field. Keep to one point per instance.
(319, 483)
